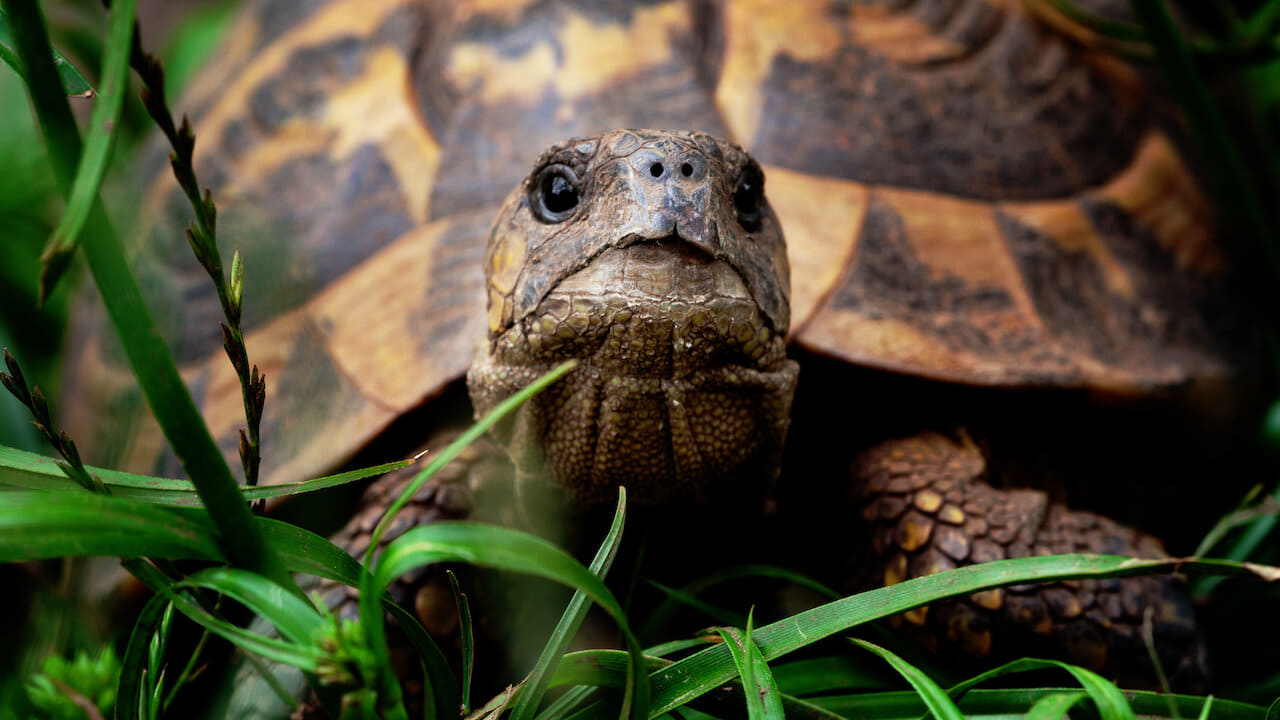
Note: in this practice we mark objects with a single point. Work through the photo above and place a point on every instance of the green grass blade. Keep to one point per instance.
(1208, 705)
(449, 453)
(97, 146)
(129, 693)
(37, 526)
(22, 469)
(152, 364)
(1106, 696)
(1055, 706)
(818, 675)
(536, 684)
(598, 668)
(303, 656)
(934, 697)
(675, 598)
(73, 82)
(468, 639)
(763, 699)
(502, 548)
(704, 671)
(440, 686)
(905, 704)
(295, 618)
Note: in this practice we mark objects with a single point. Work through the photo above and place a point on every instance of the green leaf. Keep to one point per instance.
(933, 696)
(97, 146)
(536, 684)
(73, 82)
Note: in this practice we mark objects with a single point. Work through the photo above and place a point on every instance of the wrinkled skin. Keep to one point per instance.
(665, 273)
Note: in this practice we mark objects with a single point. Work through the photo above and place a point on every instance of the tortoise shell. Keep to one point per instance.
(966, 196)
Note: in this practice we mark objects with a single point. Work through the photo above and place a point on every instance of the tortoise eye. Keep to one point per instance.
(748, 194)
(556, 193)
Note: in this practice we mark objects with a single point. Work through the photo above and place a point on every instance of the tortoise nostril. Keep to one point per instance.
(686, 169)
(656, 169)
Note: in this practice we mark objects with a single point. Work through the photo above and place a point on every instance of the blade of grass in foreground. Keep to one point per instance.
(933, 696)
(706, 670)
(535, 685)
(73, 82)
(22, 469)
(1106, 696)
(97, 146)
(502, 548)
(149, 357)
(1055, 706)
(1015, 701)
(763, 699)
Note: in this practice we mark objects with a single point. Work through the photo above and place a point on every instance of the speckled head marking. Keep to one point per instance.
(655, 259)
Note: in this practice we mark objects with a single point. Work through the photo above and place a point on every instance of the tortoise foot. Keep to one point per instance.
(929, 507)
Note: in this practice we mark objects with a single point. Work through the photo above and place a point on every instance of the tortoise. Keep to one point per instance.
(996, 265)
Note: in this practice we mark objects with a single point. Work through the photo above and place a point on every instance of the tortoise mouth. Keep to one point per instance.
(659, 308)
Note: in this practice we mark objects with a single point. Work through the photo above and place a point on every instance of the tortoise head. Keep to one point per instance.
(655, 259)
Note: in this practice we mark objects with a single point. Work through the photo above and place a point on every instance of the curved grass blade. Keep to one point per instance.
(129, 693)
(1015, 701)
(22, 469)
(704, 671)
(73, 82)
(97, 146)
(598, 668)
(763, 699)
(302, 656)
(677, 597)
(536, 684)
(1106, 696)
(296, 619)
(468, 639)
(304, 551)
(502, 548)
(1055, 706)
(449, 453)
(812, 676)
(934, 698)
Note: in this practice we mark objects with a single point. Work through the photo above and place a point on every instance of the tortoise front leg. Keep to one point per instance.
(929, 508)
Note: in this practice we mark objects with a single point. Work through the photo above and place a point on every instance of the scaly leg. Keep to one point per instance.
(929, 508)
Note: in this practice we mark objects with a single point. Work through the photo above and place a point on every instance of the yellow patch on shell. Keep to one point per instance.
(383, 83)
(900, 37)
(378, 104)
(820, 219)
(591, 58)
(755, 34)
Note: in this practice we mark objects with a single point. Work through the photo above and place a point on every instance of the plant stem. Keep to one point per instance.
(239, 535)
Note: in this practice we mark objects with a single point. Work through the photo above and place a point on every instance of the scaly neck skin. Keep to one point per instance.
(654, 259)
